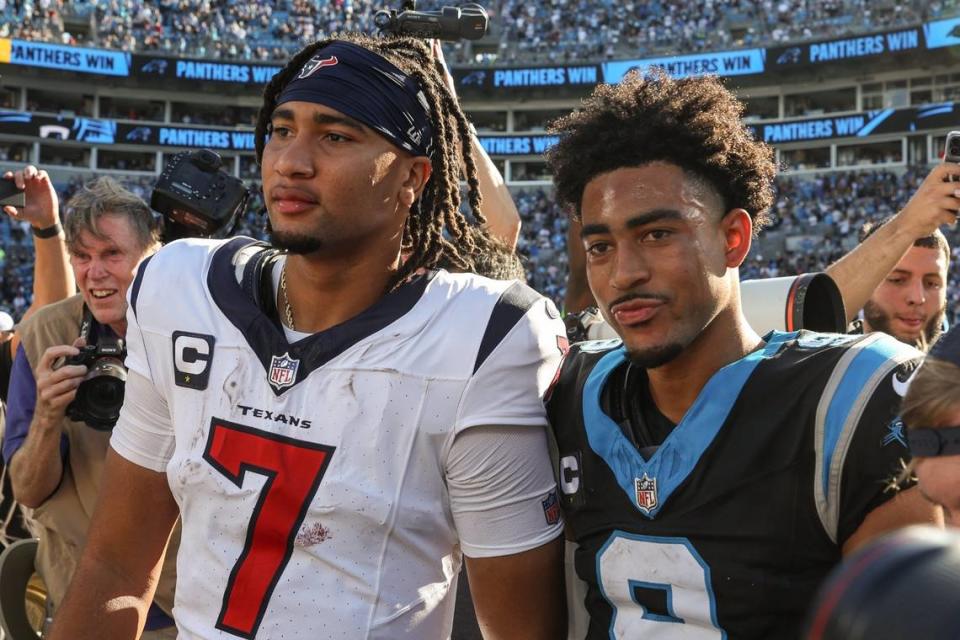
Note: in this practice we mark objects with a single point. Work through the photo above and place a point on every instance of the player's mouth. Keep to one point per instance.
(291, 200)
(636, 310)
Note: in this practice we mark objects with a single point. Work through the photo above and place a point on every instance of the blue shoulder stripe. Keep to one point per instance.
(679, 454)
(850, 387)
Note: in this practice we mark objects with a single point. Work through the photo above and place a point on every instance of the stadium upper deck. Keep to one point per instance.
(521, 32)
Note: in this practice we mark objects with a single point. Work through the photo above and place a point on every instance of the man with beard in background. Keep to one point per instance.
(898, 273)
(910, 302)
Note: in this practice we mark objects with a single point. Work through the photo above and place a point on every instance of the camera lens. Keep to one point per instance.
(106, 392)
(100, 396)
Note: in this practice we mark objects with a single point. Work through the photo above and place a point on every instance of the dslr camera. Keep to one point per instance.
(466, 22)
(196, 196)
(100, 395)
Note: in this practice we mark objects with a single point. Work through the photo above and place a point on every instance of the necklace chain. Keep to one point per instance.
(287, 309)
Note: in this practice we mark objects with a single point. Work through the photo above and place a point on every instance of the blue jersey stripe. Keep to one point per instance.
(849, 391)
(676, 458)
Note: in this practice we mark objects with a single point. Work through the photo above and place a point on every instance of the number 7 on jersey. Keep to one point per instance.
(293, 469)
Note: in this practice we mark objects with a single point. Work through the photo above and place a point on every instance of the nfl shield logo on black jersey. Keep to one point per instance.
(283, 371)
(646, 493)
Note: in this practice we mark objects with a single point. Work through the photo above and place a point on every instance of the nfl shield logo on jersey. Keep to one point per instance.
(646, 492)
(551, 508)
(283, 371)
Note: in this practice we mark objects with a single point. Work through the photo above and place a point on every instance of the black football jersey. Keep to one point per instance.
(726, 528)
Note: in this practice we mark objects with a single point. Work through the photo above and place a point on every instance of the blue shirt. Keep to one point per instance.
(21, 403)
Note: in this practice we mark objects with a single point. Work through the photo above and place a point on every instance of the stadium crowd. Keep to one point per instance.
(529, 32)
(815, 221)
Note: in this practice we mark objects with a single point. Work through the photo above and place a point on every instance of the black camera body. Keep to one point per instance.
(466, 22)
(100, 395)
(197, 196)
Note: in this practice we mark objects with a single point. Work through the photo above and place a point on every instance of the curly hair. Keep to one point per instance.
(694, 123)
(436, 231)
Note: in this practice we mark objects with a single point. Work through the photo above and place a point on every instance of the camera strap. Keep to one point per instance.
(257, 281)
(86, 324)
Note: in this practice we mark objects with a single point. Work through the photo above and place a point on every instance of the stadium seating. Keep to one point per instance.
(523, 31)
(815, 218)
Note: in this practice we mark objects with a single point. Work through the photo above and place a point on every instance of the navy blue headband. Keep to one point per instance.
(366, 87)
(939, 441)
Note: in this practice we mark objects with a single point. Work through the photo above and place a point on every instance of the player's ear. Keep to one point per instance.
(417, 174)
(737, 228)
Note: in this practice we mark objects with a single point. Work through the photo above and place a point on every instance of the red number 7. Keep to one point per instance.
(293, 469)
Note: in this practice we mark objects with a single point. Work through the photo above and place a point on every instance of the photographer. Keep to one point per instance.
(55, 462)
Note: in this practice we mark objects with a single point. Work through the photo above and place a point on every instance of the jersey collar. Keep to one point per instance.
(288, 364)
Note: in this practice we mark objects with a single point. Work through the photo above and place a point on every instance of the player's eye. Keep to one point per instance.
(656, 235)
(597, 249)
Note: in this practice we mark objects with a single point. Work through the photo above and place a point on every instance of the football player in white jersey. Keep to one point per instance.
(336, 422)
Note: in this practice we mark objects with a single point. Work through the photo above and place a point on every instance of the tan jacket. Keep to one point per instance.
(62, 521)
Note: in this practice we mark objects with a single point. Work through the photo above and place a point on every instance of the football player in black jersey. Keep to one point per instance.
(711, 477)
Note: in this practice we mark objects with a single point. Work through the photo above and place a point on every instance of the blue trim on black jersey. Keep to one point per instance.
(137, 282)
(850, 391)
(267, 339)
(676, 458)
(513, 304)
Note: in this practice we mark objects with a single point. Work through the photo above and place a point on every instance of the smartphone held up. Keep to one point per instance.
(11, 195)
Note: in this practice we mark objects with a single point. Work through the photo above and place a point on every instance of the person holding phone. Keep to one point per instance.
(898, 273)
(28, 195)
(910, 302)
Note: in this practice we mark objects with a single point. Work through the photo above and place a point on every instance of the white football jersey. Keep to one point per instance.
(311, 476)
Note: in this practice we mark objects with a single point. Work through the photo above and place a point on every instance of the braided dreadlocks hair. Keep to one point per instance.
(436, 231)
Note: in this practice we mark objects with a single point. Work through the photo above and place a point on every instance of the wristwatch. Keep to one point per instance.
(47, 232)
